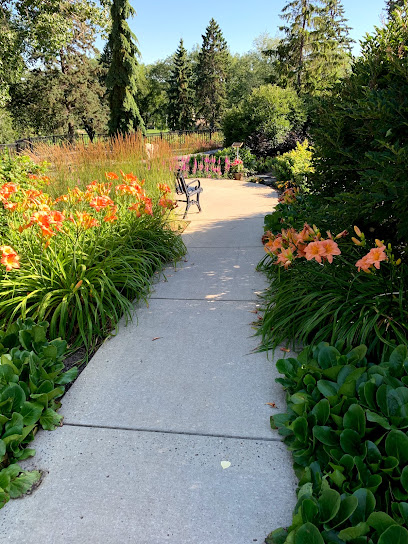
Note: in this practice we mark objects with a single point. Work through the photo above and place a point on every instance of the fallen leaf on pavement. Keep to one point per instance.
(286, 350)
(225, 464)
(271, 404)
(156, 338)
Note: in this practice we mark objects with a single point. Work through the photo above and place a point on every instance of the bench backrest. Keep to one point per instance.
(181, 186)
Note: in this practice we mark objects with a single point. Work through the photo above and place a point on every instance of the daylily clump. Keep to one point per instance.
(78, 210)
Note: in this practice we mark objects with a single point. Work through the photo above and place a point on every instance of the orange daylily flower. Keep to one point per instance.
(285, 257)
(330, 248)
(376, 255)
(100, 202)
(363, 264)
(314, 250)
(10, 261)
(163, 188)
(111, 175)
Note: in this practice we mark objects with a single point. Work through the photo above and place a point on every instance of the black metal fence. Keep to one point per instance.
(175, 136)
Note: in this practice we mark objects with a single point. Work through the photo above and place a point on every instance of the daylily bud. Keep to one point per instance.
(357, 231)
(78, 285)
(357, 242)
(398, 262)
(379, 243)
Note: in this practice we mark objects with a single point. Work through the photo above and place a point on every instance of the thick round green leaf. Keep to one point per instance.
(357, 354)
(396, 445)
(327, 389)
(308, 534)
(394, 535)
(404, 478)
(373, 417)
(373, 453)
(50, 420)
(399, 355)
(380, 521)
(403, 509)
(326, 435)
(366, 505)
(350, 442)
(322, 411)
(327, 356)
(16, 394)
(347, 507)
(23, 483)
(329, 505)
(370, 390)
(2, 449)
(31, 412)
(300, 428)
(310, 510)
(351, 533)
(354, 419)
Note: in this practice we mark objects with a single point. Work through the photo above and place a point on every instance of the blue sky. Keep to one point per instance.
(160, 24)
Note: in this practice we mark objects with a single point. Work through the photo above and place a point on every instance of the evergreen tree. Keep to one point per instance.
(314, 52)
(211, 75)
(331, 47)
(121, 80)
(392, 5)
(180, 92)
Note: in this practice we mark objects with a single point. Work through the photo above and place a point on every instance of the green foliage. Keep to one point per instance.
(83, 286)
(7, 132)
(315, 51)
(360, 139)
(32, 378)
(76, 99)
(245, 155)
(180, 92)
(311, 302)
(211, 74)
(249, 70)
(154, 99)
(121, 80)
(271, 110)
(295, 165)
(346, 424)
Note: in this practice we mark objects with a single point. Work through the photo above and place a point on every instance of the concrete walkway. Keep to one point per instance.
(161, 406)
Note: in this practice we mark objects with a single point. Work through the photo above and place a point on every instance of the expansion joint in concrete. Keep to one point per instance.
(179, 433)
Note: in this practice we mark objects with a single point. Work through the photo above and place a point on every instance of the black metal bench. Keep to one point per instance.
(188, 190)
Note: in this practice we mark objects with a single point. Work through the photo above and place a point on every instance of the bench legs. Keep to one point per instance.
(189, 202)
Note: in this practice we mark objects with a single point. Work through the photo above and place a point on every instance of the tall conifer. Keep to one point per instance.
(121, 80)
(211, 75)
(180, 92)
(314, 50)
(392, 5)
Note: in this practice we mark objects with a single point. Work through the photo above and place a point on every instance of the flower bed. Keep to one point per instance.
(80, 259)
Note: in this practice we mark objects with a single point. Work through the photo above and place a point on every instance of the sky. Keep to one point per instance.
(160, 24)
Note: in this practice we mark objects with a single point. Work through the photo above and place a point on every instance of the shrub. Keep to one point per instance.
(32, 378)
(360, 139)
(270, 110)
(346, 424)
(295, 165)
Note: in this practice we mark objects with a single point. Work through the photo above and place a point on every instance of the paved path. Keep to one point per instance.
(165, 402)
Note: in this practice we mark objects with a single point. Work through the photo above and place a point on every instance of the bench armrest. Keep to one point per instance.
(195, 181)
